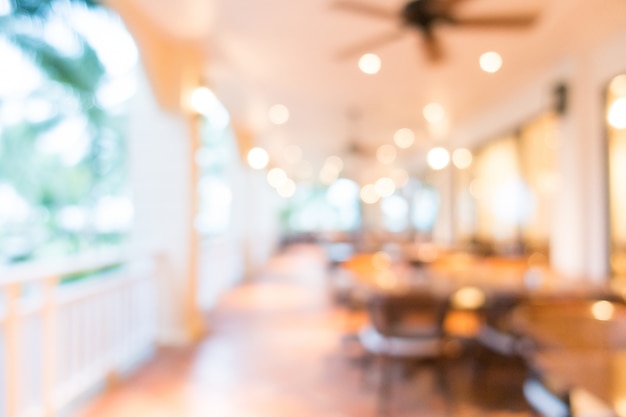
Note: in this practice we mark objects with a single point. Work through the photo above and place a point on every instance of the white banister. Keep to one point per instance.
(65, 339)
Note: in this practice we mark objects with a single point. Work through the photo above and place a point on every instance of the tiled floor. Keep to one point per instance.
(274, 350)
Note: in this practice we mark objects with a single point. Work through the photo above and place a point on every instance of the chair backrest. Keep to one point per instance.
(408, 314)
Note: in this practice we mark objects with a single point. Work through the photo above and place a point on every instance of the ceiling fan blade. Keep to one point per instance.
(369, 44)
(365, 9)
(521, 21)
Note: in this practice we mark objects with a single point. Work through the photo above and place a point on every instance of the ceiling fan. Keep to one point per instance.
(425, 16)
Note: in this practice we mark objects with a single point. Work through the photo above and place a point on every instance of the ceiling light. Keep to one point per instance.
(617, 114)
(278, 114)
(404, 138)
(258, 158)
(462, 158)
(385, 187)
(370, 63)
(490, 62)
(386, 154)
(369, 194)
(434, 113)
(438, 158)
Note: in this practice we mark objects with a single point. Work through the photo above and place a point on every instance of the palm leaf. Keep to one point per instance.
(40, 8)
(81, 74)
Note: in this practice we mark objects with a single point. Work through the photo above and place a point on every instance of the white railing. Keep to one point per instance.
(61, 340)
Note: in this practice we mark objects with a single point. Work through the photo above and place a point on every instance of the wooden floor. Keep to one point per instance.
(274, 350)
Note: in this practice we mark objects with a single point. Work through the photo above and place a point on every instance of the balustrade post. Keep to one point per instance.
(49, 345)
(11, 354)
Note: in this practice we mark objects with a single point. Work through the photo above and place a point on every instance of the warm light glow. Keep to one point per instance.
(468, 298)
(434, 113)
(331, 169)
(404, 138)
(602, 310)
(369, 194)
(381, 260)
(370, 63)
(203, 101)
(490, 62)
(386, 154)
(287, 188)
(385, 187)
(476, 188)
(462, 158)
(276, 177)
(617, 114)
(438, 158)
(335, 162)
(258, 158)
(278, 114)
(618, 86)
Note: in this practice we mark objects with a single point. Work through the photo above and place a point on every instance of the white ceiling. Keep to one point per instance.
(262, 53)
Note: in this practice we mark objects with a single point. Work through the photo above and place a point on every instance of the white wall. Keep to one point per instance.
(260, 209)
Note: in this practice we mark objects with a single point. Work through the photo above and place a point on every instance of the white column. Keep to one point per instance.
(159, 149)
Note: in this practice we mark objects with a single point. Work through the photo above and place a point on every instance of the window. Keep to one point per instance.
(616, 120)
(504, 200)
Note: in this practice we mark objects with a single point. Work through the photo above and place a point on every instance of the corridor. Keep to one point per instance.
(274, 350)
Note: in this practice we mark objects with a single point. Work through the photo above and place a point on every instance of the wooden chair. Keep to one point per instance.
(404, 329)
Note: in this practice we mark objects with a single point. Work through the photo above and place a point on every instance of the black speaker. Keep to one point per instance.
(560, 98)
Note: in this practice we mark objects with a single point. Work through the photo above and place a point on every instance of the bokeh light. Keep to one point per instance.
(385, 187)
(370, 64)
(462, 158)
(369, 194)
(258, 158)
(491, 62)
(617, 114)
(278, 114)
(404, 138)
(438, 158)
(434, 113)
(386, 154)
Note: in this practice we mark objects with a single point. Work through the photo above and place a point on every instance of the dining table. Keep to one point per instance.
(577, 327)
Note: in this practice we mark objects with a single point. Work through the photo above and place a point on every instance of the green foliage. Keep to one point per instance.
(40, 8)
(43, 179)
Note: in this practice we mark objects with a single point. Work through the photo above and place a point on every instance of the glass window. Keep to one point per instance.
(504, 199)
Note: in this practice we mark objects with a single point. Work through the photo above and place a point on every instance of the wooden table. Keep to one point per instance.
(602, 373)
(572, 324)
(580, 343)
